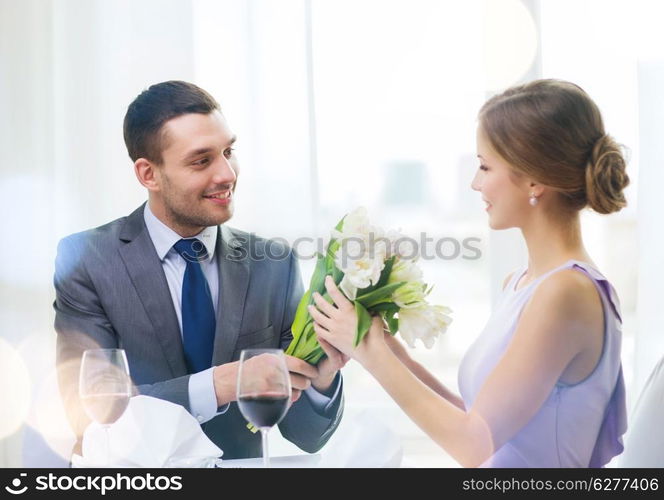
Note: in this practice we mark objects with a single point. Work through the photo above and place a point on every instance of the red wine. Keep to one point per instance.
(264, 410)
(105, 408)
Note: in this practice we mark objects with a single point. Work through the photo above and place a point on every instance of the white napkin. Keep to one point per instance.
(151, 433)
(363, 441)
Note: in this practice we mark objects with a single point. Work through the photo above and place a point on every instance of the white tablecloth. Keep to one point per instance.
(287, 462)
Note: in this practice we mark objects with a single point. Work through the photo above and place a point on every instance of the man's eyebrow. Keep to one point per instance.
(202, 151)
(196, 152)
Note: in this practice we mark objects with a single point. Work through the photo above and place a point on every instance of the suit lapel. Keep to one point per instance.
(233, 286)
(144, 268)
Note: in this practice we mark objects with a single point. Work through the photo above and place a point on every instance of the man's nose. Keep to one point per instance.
(224, 172)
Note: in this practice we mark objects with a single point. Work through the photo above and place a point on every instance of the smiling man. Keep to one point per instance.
(181, 292)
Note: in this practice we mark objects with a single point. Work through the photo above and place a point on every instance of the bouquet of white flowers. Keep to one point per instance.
(372, 269)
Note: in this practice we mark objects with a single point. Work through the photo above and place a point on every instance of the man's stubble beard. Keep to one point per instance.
(183, 216)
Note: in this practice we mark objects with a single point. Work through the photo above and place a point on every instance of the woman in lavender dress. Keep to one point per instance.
(542, 385)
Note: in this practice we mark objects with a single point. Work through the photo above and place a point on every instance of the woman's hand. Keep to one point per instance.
(397, 347)
(336, 324)
(328, 367)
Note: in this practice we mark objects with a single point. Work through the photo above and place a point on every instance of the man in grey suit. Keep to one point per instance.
(129, 284)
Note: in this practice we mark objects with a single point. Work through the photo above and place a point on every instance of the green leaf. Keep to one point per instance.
(308, 338)
(334, 244)
(427, 291)
(379, 295)
(299, 322)
(392, 324)
(337, 275)
(340, 224)
(318, 277)
(332, 269)
(320, 268)
(385, 273)
(384, 307)
(307, 348)
(332, 248)
(315, 356)
(363, 323)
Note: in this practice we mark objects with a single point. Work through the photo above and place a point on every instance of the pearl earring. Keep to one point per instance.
(533, 199)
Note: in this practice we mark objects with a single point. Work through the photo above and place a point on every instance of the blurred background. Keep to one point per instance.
(336, 104)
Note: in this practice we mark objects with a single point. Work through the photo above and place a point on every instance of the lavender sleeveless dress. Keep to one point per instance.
(578, 425)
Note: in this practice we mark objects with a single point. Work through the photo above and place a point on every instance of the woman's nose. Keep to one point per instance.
(475, 185)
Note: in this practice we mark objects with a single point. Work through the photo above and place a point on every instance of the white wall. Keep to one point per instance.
(69, 70)
(650, 264)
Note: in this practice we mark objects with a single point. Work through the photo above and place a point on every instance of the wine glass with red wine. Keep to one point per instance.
(263, 390)
(104, 387)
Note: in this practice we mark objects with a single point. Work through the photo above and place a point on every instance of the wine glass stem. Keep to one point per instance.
(107, 458)
(266, 456)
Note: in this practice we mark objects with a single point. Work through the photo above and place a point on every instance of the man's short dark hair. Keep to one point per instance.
(155, 106)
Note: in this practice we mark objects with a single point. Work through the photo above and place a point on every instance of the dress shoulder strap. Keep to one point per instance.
(609, 292)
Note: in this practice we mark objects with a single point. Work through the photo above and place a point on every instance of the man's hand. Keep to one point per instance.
(225, 382)
(225, 379)
(301, 374)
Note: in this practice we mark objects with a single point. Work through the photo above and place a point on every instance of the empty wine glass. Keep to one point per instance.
(263, 390)
(104, 387)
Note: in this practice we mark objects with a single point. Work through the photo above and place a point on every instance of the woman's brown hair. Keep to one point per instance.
(553, 132)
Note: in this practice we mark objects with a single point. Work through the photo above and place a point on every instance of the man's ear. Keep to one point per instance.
(147, 175)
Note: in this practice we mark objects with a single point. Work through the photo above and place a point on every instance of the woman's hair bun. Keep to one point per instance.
(606, 177)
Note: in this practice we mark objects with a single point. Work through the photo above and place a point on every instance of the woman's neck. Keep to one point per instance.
(551, 242)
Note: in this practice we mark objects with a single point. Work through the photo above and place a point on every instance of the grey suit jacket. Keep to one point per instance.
(111, 291)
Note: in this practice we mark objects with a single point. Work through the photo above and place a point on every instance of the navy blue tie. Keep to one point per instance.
(198, 321)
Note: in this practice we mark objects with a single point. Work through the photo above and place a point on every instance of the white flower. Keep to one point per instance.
(413, 293)
(356, 223)
(350, 290)
(362, 252)
(425, 322)
(402, 246)
(410, 295)
(405, 270)
(360, 264)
